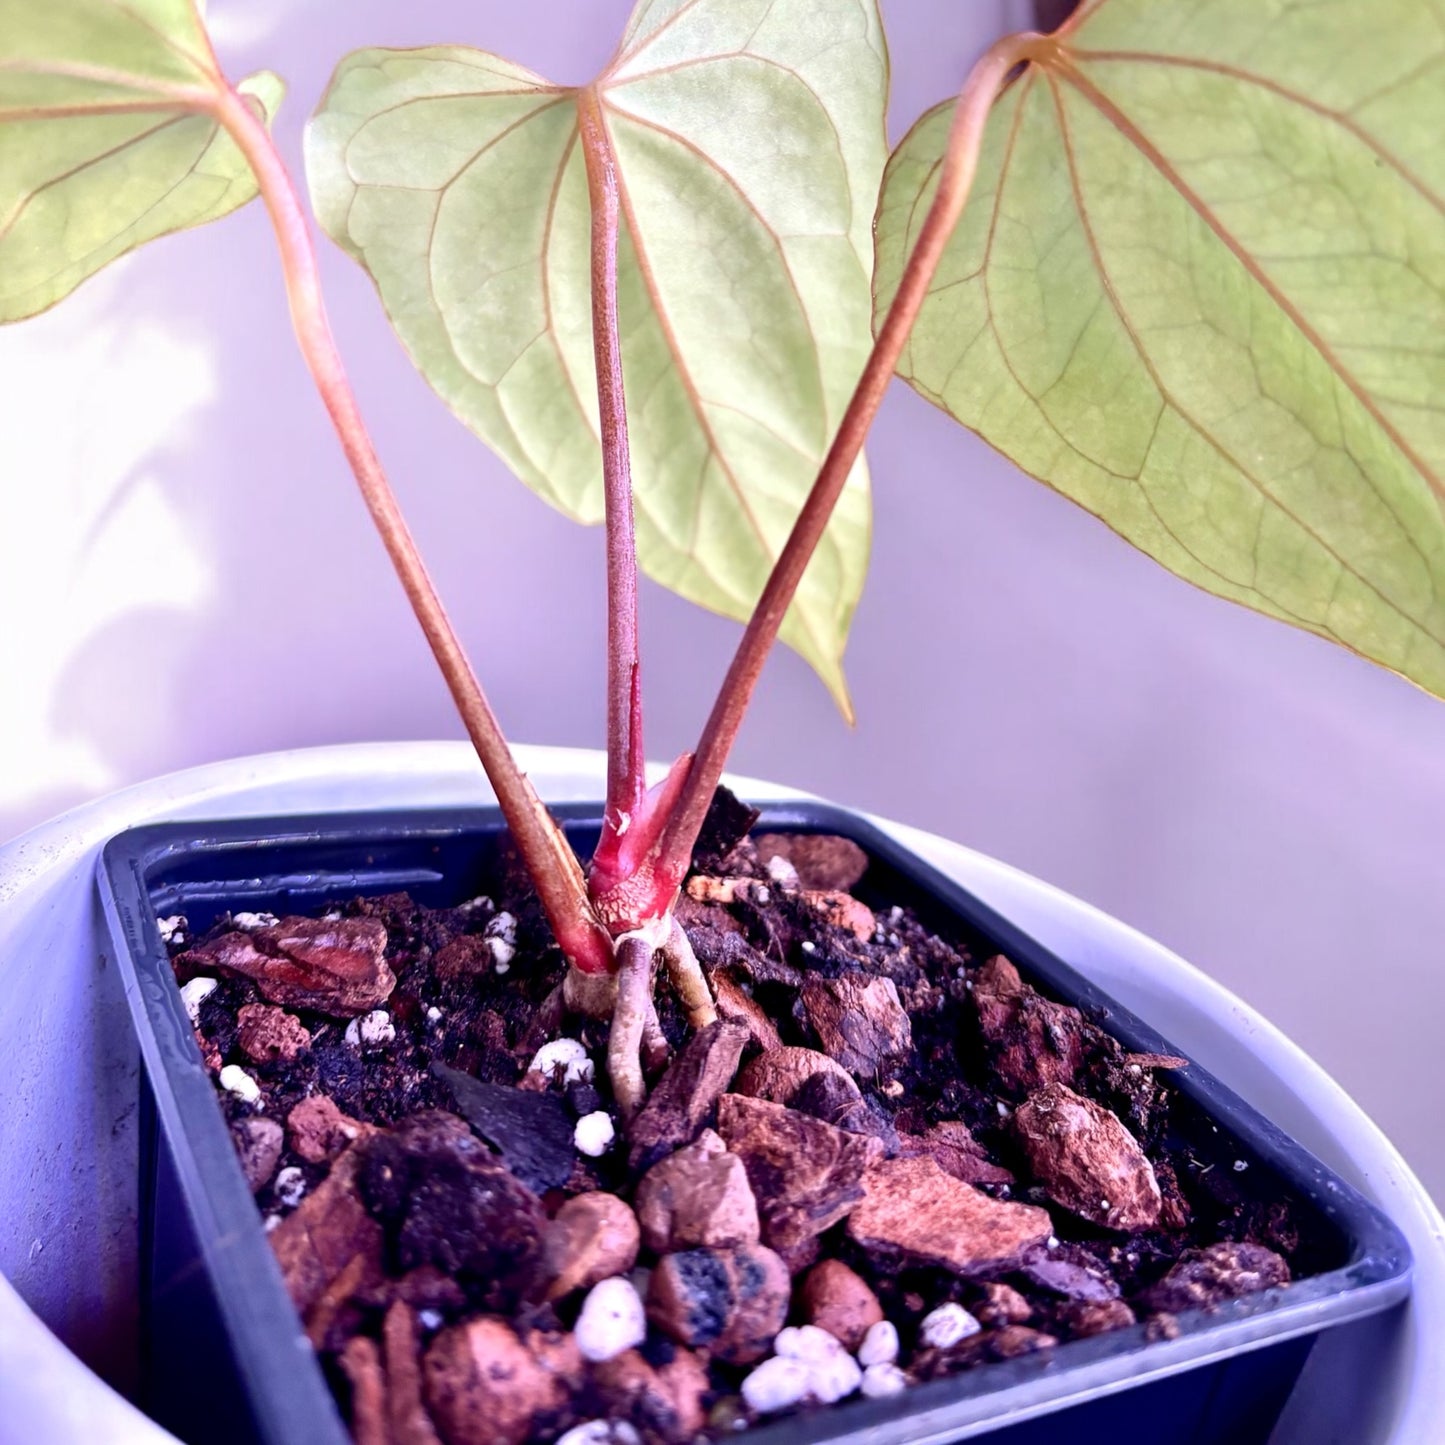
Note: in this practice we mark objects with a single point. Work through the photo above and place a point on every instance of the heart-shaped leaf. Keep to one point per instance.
(749, 143)
(105, 139)
(1199, 288)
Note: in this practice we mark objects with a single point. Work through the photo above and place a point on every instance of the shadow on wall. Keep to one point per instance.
(208, 583)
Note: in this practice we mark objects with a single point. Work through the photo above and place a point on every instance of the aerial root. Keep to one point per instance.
(629, 1024)
(688, 979)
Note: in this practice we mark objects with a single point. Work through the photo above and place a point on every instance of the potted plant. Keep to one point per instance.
(641, 136)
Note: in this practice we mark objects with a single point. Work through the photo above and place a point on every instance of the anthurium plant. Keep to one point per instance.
(1183, 263)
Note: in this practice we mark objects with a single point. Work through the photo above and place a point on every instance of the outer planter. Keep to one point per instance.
(228, 1359)
(68, 1141)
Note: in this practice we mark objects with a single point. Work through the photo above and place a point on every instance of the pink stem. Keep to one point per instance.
(982, 88)
(550, 861)
(626, 781)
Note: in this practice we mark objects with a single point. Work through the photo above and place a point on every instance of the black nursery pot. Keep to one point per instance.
(224, 1357)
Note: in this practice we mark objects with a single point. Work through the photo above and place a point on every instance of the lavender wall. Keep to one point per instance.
(186, 575)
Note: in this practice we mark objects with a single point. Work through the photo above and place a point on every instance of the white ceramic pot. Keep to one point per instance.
(67, 1106)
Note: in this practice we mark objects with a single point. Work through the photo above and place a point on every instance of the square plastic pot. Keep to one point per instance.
(224, 1355)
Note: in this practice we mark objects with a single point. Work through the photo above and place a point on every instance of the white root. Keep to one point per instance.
(629, 1022)
(687, 978)
(636, 1047)
(655, 1048)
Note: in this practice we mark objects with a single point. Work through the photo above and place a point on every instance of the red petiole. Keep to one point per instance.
(647, 837)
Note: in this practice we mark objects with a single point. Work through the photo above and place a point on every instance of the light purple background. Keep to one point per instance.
(189, 576)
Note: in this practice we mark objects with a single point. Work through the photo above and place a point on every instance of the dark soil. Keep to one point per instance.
(407, 1234)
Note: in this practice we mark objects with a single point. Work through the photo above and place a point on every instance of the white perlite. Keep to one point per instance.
(881, 1380)
(290, 1187)
(946, 1326)
(172, 929)
(235, 1080)
(194, 994)
(248, 921)
(782, 872)
(612, 1320)
(601, 1432)
(594, 1134)
(832, 1372)
(880, 1345)
(377, 1028)
(565, 1054)
(776, 1384)
(501, 936)
(835, 1379)
(807, 1342)
(371, 1030)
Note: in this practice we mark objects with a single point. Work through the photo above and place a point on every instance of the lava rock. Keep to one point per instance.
(258, 1145)
(1015, 1340)
(1070, 1280)
(331, 967)
(836, 1299)
(1086, 1160)
(445, 1200)
(360, 1362)
(778, 1076)
(859, 1021)
(423, 1288)
(405, 1411)
(665, 1401)
(953, 1148)
(1221, 1272)
(834, 1098)
(1000, 1304)
(687, 1093)
(267, 1033)
(912, 1206)
(821, 860)
(482, 1382)
(1083, 1318)
(317, 1130)
(592, 1237)
(843, 911)
(1033, 1041)
(733, 1003)
(328, 1235)
(729, 1302)
(533, 1132)
(805, 1174)
(699, 1196)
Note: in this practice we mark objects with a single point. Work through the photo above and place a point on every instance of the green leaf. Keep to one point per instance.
(749, 137)
(1199, 288)
(103, 145)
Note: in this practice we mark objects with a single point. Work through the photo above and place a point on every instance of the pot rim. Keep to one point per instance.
(33, 872)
